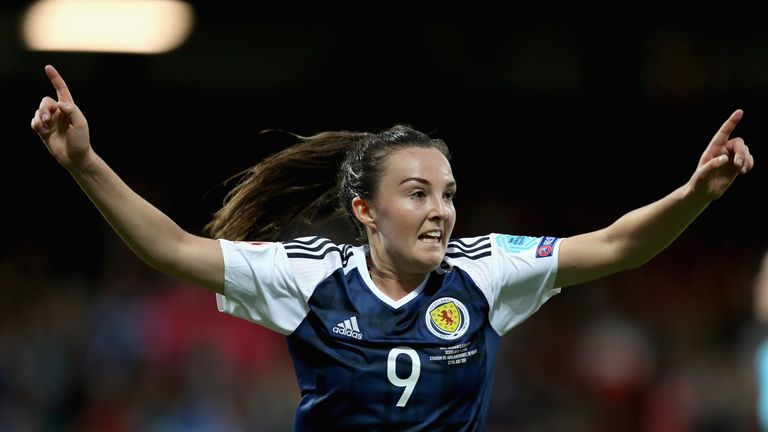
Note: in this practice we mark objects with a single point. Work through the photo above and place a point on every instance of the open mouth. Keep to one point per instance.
(433, 237)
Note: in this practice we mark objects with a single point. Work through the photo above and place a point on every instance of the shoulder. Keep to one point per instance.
(470, 248)
(313, 259)
(477, 248)
(486, 257)
(473, 255)
(301, 263)
(303, 256)
(318, 249)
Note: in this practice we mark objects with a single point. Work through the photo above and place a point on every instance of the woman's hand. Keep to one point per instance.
(61, 125)
(723, 160)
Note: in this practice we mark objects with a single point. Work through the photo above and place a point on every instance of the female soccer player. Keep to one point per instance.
(400, 332)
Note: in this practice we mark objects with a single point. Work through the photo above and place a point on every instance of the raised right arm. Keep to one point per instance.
(152, 235)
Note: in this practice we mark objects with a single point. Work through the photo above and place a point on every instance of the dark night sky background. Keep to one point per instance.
(555, 129)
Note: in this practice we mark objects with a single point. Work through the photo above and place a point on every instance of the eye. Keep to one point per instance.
(450, 195)
(418, 193)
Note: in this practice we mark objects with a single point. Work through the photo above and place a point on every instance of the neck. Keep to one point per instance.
(392, 283)
(394, 286)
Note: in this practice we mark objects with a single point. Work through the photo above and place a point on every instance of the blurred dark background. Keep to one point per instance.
(556, 130)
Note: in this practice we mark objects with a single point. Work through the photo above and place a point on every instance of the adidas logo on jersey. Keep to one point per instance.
(348, 327)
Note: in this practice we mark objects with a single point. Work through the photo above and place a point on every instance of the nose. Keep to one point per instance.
(439, 210)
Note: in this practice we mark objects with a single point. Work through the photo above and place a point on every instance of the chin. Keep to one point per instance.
(432, 261)
(425, 258)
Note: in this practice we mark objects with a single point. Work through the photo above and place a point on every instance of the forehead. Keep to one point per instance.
(425, 163)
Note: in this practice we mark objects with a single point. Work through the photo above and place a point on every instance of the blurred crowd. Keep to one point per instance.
(664, 348)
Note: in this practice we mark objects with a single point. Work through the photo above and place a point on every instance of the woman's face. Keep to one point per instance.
(413, 214)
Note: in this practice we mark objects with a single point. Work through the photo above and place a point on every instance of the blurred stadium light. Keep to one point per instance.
(120, 26)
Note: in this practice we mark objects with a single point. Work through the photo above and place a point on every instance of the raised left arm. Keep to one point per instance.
(641, 234)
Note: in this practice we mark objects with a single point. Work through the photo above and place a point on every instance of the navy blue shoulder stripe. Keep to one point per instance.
(463, 247)
(472, 257)
(345, 253)
(457, 242)
(477, 249)
(317, 247)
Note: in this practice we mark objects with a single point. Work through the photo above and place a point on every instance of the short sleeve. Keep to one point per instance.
(259, 286)
(516, 274)
(523, 276)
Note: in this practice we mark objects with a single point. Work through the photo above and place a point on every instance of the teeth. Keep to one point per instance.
(433, 234)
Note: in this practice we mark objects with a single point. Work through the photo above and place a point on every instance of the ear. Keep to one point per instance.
(364, 212)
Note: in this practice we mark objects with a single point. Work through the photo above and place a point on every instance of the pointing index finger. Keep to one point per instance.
(725, 130)
(62, 92)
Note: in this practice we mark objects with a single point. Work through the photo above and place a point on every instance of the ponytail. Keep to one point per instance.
(287, 187)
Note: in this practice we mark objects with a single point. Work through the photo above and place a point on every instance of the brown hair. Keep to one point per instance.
(297, 183)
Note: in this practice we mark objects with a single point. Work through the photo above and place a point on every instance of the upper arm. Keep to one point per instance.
(586, 257)
(200, 261)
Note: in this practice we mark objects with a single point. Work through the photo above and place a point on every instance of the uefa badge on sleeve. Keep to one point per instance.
(546, 247)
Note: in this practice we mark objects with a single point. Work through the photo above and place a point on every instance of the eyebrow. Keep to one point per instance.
(425, 181)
